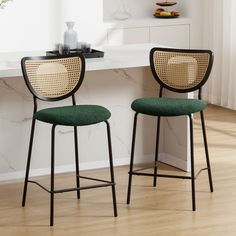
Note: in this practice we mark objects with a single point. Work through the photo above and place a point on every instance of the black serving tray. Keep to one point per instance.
(92, 54)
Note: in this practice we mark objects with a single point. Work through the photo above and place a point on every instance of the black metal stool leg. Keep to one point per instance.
(192, 163)
(52, 175)
(77, 161)
(132, 158)
(206, 152)
(156, 152)
(28, 162)
(111, 169)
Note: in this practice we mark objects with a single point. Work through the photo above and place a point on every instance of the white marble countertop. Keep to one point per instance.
(125, 56)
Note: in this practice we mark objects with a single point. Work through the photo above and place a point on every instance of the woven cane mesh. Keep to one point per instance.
(181, 70)
(54, 78)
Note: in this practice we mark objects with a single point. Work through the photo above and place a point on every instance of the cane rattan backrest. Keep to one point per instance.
(53, 78)
(181, 70)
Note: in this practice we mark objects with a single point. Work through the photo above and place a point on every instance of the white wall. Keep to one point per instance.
(24, 25)
(88, 16)
(145, 8)
(140, 8)
(194, 9)
(40, 24)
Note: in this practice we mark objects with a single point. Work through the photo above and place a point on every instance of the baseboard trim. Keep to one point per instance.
(62, 169)
(163, 157)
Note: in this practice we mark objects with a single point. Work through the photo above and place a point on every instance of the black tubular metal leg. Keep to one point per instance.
(156, 152)
(132, 158)
(28, 162)
(192, 163)
(111, 169)
(206, 151)
(77, 161)
(52, 175)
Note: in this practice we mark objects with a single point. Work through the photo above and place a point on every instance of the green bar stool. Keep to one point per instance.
(53, 79)
(180, 71)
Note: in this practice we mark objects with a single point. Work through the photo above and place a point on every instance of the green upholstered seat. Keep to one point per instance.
(73, 115)
(167, 106)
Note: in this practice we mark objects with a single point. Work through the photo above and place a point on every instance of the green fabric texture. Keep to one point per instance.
(73, 115)
(167, 106)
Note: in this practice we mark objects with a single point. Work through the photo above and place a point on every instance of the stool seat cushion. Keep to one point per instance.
(167, 106)
(79, 115)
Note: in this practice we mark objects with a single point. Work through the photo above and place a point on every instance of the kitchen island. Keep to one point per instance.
(114, 82)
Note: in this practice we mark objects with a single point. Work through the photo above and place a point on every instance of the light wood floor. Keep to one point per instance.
(165, 210)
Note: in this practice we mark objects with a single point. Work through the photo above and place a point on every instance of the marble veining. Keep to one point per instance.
(11, 88)
(64, 132)
(176, 135)
(115, 89)
(7, 162)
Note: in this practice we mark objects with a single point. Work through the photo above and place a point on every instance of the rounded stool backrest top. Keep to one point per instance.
(181, 70)
(53, 78)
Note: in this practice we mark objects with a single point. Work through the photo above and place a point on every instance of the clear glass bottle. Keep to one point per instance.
(122, 12)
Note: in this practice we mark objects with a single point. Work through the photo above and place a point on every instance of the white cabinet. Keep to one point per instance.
(121, 36)
(171, 36)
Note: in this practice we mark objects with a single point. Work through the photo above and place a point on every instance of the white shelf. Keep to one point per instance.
(146, 22)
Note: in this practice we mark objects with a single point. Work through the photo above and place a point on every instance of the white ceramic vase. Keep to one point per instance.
(70, 36)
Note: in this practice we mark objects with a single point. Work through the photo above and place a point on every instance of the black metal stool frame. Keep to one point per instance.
(163, 85)
(52, 191)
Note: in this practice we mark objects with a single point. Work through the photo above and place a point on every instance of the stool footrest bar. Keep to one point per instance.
(41, 186)
(200, 171)
(73, 189)
(160, 175)
(136, 172)
(83, 188)
(89, 178)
